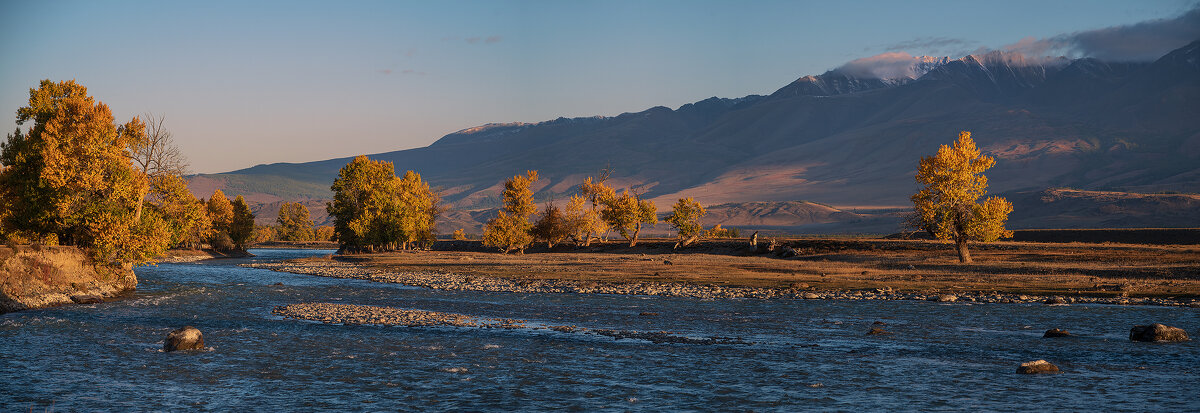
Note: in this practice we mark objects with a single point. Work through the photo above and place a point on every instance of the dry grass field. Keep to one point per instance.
(1105, 270)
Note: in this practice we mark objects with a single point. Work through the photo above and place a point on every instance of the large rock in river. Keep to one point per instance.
(1035, 367)
(187, 338)
(1157, 332)
(1054, 332)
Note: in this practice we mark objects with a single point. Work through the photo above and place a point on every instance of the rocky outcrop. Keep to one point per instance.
(1037, 367)
(46, 276)
(1157, 332)
(186, 338)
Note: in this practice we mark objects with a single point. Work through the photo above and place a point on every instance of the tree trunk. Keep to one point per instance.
(137, 215)
(633, 240)
(964, 256)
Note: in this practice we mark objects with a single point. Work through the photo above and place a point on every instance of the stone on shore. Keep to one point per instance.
(944, 298)
(1157, 332)
(1056, 301)
(1037, 367)
(187, 338)
(1054, 332)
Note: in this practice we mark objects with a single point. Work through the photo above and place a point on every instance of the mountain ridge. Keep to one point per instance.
(833, 138)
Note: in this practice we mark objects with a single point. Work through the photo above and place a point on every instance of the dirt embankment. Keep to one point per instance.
(40, 276)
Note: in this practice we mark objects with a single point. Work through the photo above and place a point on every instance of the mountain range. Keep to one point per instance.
(842, 138)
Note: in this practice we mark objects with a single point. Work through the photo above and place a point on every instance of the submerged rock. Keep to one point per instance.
(1036, 367)
(1157, 332)
(876, 331)
(187, 338)
(1054, 332)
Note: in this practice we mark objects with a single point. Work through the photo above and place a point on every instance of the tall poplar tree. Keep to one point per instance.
(510, 230)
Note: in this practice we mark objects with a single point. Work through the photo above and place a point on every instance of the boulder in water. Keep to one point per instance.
(1036, 367)
(1054, 332)
(187, 338)
(876, 331)
(1157, 332)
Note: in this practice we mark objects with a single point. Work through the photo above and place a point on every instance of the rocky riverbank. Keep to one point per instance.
(46, 276)
(192, 255)
(452, 281)
(388, 316)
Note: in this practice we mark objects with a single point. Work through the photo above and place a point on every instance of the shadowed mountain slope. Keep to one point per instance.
(833, 138)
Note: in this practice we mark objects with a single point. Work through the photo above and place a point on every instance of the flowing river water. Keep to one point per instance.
(797, 354)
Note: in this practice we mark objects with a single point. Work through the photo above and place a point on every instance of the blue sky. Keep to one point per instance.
(243, 84)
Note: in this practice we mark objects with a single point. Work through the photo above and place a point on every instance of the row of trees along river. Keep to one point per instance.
(375, 210)
(117, 191)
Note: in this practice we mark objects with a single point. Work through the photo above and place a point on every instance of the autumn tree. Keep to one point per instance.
(68, 179)
(510, 229)
(596, 193)
(685, 218)
(627, 212)
(583, 220)
(263, 233)
(552, 226)
(294, 222)
(460, 235)
(324, 233)
(414, 210)
(375, 210)
(241, 226)
(220, 212)
(947, 206)
(186, 217)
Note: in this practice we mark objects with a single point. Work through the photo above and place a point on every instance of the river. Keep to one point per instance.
(799, 354)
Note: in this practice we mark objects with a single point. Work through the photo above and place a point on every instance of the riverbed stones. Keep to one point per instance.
(1055, 332)
(1157, 332)
(945, 298)
(186, 338)
(1037, 367)
(1056, 301)
(87, 298)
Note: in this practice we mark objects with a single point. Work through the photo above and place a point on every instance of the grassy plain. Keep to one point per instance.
(1069, 269)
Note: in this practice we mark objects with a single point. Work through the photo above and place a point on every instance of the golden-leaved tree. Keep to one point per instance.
(590, 222)
(947, 206)
(220, 212)
(294, 221)
(583, 220)
(510, 230)
(69, 179)
(685, 217)
(372, 209)
(186, 217)
(627, 212)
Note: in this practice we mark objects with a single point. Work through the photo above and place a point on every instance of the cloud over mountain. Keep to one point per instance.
(890, 65)
(1139, 42)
